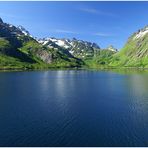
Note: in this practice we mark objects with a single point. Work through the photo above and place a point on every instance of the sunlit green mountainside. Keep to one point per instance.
(101, 59)
(135, 51)
(133, 55)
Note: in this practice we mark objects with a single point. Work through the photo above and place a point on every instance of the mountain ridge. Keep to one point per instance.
(18, 48)
(78, 48)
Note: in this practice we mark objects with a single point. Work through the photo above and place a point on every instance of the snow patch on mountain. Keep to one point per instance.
(10, 25)
(77, 48)
(141, 33)
(24, 31)
(60, 42)
(111, 48)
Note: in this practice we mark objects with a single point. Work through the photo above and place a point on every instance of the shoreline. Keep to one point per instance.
(72, 68)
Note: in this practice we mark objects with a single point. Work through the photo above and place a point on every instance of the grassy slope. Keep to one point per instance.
(133, 54)
(100, 60)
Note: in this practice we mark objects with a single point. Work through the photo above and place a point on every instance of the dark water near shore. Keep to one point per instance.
(73, 108)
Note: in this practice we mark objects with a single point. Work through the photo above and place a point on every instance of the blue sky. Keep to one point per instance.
(102, 22)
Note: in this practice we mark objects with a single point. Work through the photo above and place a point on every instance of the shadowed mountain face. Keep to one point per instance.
(11, 39)
(1, 21)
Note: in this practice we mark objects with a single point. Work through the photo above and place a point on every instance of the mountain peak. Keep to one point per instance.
(74, 39)
(112, 48)
(24, 31)
(1, 21)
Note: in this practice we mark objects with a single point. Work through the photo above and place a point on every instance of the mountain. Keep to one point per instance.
(112, 48)
(1, 21)
(19, 49)
(135, 51)
(78, 48)
(23, 30)
(11, 40)
(101, 59)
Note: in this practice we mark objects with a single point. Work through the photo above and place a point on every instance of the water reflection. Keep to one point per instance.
(139, 84)
(61, 84)
(138, 93)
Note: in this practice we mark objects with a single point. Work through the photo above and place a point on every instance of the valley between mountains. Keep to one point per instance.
(20, 50)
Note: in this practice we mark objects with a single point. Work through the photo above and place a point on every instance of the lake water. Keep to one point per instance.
(73, 108)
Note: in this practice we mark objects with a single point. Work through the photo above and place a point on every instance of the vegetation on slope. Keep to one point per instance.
(133, 54)
(100, 60)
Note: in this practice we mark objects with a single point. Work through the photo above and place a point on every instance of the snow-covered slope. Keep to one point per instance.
(24, 31)
(141, 33)
(65, 43)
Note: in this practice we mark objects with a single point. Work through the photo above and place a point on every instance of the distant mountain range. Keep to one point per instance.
(19, 49)
(78, 48)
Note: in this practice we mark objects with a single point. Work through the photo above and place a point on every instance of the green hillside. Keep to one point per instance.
(102, 59)
(135, 51)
